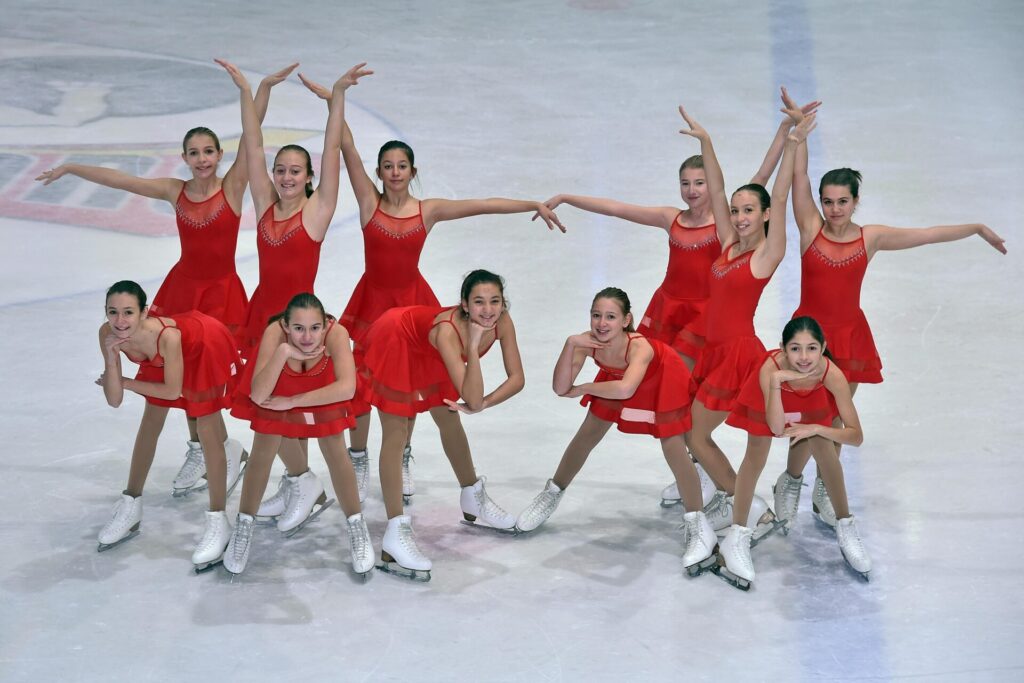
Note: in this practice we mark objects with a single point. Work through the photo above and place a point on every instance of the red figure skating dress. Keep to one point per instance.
(402, 373)
(306, 422)
(831, 274)
(204, 278)
(732, 351)
(391, 251)
(210, 360)
(289, 259)
(660, 406)
(804, 406)
(676, 312)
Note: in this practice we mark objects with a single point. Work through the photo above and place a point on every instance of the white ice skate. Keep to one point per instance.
(361, 546)
(821, 504)
(479, 510)
(237, 458)
(361, 465)
(787, 497)
(760, 519)
(273, 507)
(734, 563)
(670, 494)
(701, 543)
(852, 547)
(542, 507)
(408, 485)
(124, 525)
(210, 550)
(236, 556)
(306, 500)
(192, 475)
(399, 553)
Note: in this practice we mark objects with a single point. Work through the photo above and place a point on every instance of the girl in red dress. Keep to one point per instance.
(299, 386)
(395, 228)
(835, 253)
(637, 389)
(293, 223)
(738, 277)
(207, 209)
(186, 361)
(797, 393)
(425, 359)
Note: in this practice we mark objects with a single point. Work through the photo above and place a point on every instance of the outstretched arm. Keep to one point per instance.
(713, 173)
(260, 184)
(885, 238)
(655, 216)
(154, 188)
(437, 210)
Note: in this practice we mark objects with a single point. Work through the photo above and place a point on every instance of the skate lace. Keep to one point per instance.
(357, 538)
(194, 465)
(406, 475)
(487, 506)
(209, 535)
(121, 513)
(821, 498)
(408, 541)
(243, 535)
(543, 505)
(719, 508)
(743, 544)
(851, 538)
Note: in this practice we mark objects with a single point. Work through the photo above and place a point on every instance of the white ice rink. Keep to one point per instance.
(523, 99)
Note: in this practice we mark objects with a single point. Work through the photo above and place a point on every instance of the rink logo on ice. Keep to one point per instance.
(122, 110)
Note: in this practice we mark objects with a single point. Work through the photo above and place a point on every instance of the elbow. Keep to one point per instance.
(624, 392)
(348, 390)
(858, 439)
(114, 402)
(476, 404)
(517, 384)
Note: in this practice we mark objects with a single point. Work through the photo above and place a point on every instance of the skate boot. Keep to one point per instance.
(787, 497)
(124, 525)
(763, 521)
(192, 475)
(274, 507)
(408, 485)
(734, 564)
(210, 550)
(701, 543)
(670, 494)
(821, 504)
(719, 511)
(399, 554)
(306, 500)
(542, 507)
(361, 465)
(852, 547)
(237, 554)
(479, 510)
(361, 546)
(237, 458)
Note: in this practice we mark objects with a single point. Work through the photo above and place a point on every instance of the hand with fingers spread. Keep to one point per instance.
(695, 129)
(351, 77)
(803, 129)
(797, 113)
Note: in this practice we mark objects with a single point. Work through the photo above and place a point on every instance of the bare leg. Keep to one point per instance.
(455, 444)
(294, 455)
(216, 461)
(576, 453)
(343, 476)
(674, 448)
(394, 436)
(707, 452)
(257, 472)
(746, 479)
(361, 433)
(153, 418)
(830, 470)
(193, 433)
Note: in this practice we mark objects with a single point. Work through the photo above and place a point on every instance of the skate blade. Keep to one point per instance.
(705, 565)
(769, 528)
(265, 520)
(511, 531)
(820, 520)
(241, 471)
(206, 566)
(406, 499)
(200, 485)
(418, 575)
(671, 502)
(863, 575)
(101, 547)
(720, 570)
(291, 532)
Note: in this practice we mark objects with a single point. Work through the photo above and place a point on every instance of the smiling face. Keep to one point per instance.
(803, 352)
(291, 173)
(693, 187)
(124, 314)
(837, 205)
(202, 155)
(485, 304)
(607, 321)
(395, 170)
(305, 328)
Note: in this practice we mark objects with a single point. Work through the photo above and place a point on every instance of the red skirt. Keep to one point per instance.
(211, 366)
(723, 368)
(852, 346)
(748, 412)
(222, 298)
(369, 302)
(677, 322)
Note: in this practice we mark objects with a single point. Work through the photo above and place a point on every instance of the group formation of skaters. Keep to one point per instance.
(691, 362)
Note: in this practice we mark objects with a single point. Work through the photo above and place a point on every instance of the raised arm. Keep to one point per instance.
(437, 210)
(167, 189)
(260, 184)
(716, 181)
(655, 216)
(808, 219)
(237, 176)
(774, 153)
(886, 238)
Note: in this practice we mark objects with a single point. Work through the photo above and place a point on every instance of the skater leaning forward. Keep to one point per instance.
(299, 386)
(425, 359)
(186, 361)
(637, 389)
(797, 393)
